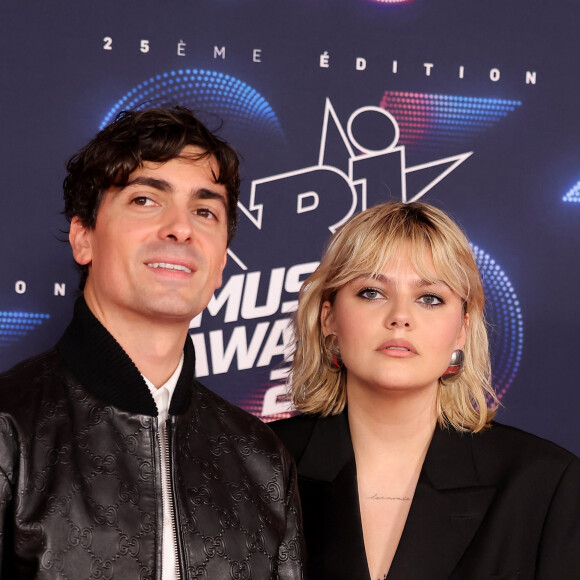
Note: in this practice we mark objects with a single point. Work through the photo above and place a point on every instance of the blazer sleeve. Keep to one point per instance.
(559, 553)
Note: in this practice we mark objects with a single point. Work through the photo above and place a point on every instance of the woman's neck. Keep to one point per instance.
(392, 420)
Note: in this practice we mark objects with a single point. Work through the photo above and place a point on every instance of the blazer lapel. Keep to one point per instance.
(329, 496)
(448, 507)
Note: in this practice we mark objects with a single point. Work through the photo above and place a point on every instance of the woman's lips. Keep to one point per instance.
(398, 348)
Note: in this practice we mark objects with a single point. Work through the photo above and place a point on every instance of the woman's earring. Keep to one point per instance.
(455, 365)
(332, 351)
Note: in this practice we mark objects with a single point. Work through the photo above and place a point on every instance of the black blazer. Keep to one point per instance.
(502, 504)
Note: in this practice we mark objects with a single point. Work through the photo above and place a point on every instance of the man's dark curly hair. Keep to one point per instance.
(156, 135)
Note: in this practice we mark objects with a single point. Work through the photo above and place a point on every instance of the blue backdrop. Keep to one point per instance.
(335, 105)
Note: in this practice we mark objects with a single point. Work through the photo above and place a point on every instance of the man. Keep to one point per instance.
(114, 461)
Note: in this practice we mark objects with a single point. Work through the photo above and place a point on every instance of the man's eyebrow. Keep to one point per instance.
(165, 186)
(160, 184)
(204, 193)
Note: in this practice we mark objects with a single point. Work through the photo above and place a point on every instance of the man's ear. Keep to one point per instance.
(80, 240)
(327, 318)
(220, 279)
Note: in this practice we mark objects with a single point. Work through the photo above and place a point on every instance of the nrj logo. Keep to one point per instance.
(360, 164)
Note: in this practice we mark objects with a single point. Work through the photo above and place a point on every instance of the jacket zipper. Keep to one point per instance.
(170, 482)
(164, 436)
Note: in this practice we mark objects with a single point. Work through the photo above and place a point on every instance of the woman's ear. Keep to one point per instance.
(79, 238)
(462, 338)
(327, 318)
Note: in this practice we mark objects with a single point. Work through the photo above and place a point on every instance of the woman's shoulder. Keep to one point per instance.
(513, 448)
(518, 439)
(296, 431)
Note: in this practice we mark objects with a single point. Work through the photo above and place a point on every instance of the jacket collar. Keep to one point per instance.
(104, 369)
(449, 505)
(333, 433)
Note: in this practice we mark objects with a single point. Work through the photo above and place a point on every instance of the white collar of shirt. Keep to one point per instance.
(163, 394)
(162, 397)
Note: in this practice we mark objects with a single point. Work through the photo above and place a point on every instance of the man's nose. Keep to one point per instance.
(177, 225)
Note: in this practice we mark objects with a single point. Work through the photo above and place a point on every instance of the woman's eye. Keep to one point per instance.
(369, 293)
(430, 300)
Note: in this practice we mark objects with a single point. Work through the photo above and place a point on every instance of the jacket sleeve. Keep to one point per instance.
(558, 553)
(292, 551)
(7, 476)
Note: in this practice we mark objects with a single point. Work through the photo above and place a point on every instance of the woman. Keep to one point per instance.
(402, 473)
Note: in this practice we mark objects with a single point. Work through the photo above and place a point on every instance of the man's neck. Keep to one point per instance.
(156, 360)
(154, 346)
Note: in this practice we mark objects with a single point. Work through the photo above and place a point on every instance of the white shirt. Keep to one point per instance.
(162, 397)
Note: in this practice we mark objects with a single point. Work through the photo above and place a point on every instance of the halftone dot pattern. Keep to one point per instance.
(253, 402)
(573, 195)
(15, 325)
(205, 90)
(504, 317)
(428, 121)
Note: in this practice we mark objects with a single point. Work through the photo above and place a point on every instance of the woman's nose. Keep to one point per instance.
(398, 315)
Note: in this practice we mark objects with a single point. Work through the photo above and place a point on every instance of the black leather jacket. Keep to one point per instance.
(80, 487)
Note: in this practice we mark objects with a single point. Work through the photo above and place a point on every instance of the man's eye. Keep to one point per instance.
(142, 200)
(369, 293)
(205, 212)
(430, 300)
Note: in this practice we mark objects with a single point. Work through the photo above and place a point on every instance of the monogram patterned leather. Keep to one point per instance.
(80, 482)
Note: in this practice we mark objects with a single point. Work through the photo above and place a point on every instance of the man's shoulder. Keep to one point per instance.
(234, 421)
(31, 372)
(29, 387)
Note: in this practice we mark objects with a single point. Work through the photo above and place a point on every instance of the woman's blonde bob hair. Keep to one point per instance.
(363, 246)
